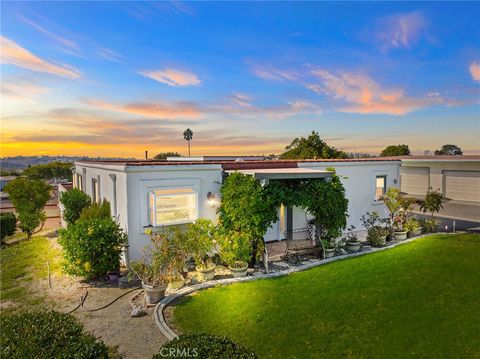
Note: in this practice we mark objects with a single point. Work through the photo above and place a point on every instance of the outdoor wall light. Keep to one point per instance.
(211, 199)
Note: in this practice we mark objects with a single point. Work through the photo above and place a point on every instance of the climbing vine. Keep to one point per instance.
(248, 207)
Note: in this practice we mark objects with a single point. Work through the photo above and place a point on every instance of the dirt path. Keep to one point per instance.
(133, 337)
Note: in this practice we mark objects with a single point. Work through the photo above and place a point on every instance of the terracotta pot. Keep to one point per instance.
(239, 271)
(206, 273)
(154, 294)
(400, 235)
(353, 246)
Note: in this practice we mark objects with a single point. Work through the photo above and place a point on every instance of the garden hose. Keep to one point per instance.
(83, 298)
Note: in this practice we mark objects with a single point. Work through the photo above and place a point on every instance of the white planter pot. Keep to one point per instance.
(416, 232)
(400, 236)
(206, 273)
(239, 272)
(329, 252)
(154, 294)
(353, 246)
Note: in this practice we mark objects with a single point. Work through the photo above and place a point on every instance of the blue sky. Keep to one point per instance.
(116, 78)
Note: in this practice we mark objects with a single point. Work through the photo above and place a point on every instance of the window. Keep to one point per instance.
(381, 186)
(172, 206)
(95, 191)
(79, 182)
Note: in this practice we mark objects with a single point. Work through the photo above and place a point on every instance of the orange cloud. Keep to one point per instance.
(157, 110)
(366, 96)
(14, 54)
(21, 90)
(173, 77)
(475, 70)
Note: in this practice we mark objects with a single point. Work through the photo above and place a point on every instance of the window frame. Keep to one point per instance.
(152, 214)
(384, 190)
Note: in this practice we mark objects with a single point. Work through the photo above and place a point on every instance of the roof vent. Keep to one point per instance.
(239, 159)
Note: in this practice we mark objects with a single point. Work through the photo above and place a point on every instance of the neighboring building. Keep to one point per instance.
(457, 177)
(175, 192)
(4, 180)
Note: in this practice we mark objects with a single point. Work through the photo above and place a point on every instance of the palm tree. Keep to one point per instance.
(187, 136)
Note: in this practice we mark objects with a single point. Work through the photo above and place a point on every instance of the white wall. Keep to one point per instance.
(360, 184)
(140, 179)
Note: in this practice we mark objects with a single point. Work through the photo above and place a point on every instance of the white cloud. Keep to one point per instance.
(173, 77)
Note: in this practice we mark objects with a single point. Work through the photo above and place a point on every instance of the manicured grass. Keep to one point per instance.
(420, 299)
(23, 262)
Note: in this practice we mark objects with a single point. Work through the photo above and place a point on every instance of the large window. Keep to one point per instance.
(381, 186)
(172, 206)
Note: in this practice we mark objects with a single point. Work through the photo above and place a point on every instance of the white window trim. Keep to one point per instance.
(173, 223)
(377, 200)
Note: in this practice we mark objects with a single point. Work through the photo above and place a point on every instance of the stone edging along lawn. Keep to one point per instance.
(165, 302)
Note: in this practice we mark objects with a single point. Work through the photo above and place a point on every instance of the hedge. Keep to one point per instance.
(47, 334)
(204, 346)
(8, 225)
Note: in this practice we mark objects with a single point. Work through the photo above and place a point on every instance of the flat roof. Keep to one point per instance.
(284, 173)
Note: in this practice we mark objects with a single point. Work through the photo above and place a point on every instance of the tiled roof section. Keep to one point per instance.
(442, 158)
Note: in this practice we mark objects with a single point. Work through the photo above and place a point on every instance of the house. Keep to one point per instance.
(174, 192)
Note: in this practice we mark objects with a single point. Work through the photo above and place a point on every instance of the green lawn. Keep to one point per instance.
(420, 299)
(23, 262)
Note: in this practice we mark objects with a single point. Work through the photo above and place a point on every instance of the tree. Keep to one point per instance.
(449, 150)
(74, 201)
(50, 171)
(8, 225)
(396, 150)
(311, 147)
(432, 202)
(187, 136)
(29, 197)
(164, 155)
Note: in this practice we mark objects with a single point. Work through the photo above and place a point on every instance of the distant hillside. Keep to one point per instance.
(22, 162)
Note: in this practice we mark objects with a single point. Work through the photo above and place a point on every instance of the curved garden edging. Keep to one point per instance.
(165, 302)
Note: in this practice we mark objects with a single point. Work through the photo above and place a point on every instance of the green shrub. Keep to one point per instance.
(200, 241)
(205, 346)
(235, 247)
(92, 248)
(74, 202)
(429, 225)
(377, 236)
(99, 210)
(47, 334)
(412, 224)
(8, 225)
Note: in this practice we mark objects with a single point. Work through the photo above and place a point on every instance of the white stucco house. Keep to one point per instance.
(178, 191)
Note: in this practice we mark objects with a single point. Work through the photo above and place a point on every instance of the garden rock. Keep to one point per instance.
(137, 311)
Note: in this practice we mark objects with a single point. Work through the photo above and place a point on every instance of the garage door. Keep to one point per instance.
(462, 185)
(414, 180)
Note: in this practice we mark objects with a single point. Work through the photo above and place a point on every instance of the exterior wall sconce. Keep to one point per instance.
(211, 199)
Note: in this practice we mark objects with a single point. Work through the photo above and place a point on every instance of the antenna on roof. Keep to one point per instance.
(146, 154)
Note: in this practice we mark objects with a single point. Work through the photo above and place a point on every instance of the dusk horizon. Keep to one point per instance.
(116, 79)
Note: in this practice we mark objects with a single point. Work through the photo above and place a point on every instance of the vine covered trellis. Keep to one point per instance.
(251, 208)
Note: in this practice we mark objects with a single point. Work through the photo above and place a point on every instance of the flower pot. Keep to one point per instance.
(400, 235)
(353, 246)
(176, 284)
(206, 273)
(154, 294)
(239, 271)
(329, 252)
(416, 232)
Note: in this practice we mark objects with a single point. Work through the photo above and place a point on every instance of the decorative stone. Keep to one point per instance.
(282, 264)
(305, 262)
(137, 312)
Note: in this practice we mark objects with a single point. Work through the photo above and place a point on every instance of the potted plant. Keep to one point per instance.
(413, 226)
(351, 240)
(376, 233)
(200, 238)
(398, 206)
(154, 280)
(330, 248)
(235, 250)
(174, 257)
(432, 204)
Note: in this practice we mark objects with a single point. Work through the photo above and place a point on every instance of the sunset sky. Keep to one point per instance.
(115, 79)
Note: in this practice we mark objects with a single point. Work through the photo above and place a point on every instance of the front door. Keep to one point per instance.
(277, 230)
